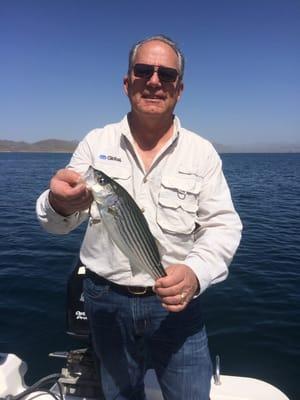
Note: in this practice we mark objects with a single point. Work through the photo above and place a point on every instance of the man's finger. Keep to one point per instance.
(168, 291)
(174, 308)
(171, 279)
(69, 176)
(64, 191)
(67, 184)
(176, 300)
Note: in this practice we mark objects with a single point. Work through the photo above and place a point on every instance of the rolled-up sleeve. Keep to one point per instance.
(219, 228)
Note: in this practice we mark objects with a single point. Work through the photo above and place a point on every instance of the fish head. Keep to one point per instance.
(100, 185)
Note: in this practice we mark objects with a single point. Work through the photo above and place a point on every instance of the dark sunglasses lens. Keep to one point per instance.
(167, 74)
(143, 70)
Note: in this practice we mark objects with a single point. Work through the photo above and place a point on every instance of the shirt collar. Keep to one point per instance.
(125, 129)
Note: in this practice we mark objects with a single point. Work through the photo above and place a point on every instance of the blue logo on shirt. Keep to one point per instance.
(109, 158)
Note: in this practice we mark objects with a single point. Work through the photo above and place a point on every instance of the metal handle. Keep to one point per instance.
(59, 354)
(217, 374)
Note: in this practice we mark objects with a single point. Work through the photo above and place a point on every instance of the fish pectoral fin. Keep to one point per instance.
(113, 210)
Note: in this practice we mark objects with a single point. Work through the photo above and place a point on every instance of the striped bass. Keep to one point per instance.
(125, 223)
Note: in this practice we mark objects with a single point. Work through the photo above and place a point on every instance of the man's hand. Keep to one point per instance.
(177, 288)
(68, 192)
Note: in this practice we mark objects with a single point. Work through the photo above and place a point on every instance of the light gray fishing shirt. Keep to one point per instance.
(184, 197)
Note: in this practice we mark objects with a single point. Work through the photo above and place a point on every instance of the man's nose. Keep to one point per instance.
(154, 80)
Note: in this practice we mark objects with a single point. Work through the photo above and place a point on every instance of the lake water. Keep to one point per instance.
(253, 318)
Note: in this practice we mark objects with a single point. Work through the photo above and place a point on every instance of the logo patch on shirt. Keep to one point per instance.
(109, 158)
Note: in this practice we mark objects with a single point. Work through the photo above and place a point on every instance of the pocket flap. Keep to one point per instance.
(185, 184)
(177, 200)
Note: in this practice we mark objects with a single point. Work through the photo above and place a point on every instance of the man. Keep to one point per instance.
(176, 178)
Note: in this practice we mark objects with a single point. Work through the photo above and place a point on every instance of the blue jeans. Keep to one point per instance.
(131, 334)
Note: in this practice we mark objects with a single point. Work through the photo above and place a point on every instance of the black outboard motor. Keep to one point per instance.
(79, 376)
(77, 323)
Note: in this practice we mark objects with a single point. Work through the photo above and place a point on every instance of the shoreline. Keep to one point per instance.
(71, 151)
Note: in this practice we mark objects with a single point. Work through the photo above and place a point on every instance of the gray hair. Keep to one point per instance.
(161, 38)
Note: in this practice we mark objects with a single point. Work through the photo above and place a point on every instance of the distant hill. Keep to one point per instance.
(259, 148)
(47, 146)
(65, 146)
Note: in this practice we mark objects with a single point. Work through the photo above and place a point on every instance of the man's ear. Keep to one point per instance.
(125, 84)
(180, 89)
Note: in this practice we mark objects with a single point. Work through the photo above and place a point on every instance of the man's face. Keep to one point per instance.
(152, 96)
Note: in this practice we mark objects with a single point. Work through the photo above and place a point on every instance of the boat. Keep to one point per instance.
(78, 379)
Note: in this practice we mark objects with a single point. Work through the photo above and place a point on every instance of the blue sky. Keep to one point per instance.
(62, 64)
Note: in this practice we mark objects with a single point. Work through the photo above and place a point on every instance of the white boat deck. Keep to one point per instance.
(13, 369)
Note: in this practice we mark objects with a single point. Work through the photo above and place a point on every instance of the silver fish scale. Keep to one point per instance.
(138, 243)
(147, 251)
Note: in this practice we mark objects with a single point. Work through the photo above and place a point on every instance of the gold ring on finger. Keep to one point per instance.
(182, 297)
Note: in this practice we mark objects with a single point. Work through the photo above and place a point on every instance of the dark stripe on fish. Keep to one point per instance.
(133, 229)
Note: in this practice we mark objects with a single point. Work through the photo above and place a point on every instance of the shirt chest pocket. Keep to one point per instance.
(178, 203)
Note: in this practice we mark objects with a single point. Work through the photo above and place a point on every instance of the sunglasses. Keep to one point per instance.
(146, 71)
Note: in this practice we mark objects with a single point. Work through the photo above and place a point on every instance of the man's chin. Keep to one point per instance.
(153, 110)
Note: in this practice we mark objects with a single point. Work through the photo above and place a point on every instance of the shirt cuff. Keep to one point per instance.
(52, 220)
(197, 265)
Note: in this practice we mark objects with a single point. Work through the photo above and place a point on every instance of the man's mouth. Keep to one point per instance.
(154, 97)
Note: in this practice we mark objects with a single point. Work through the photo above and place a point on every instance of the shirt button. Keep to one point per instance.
(145, 180)
(142, 209)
